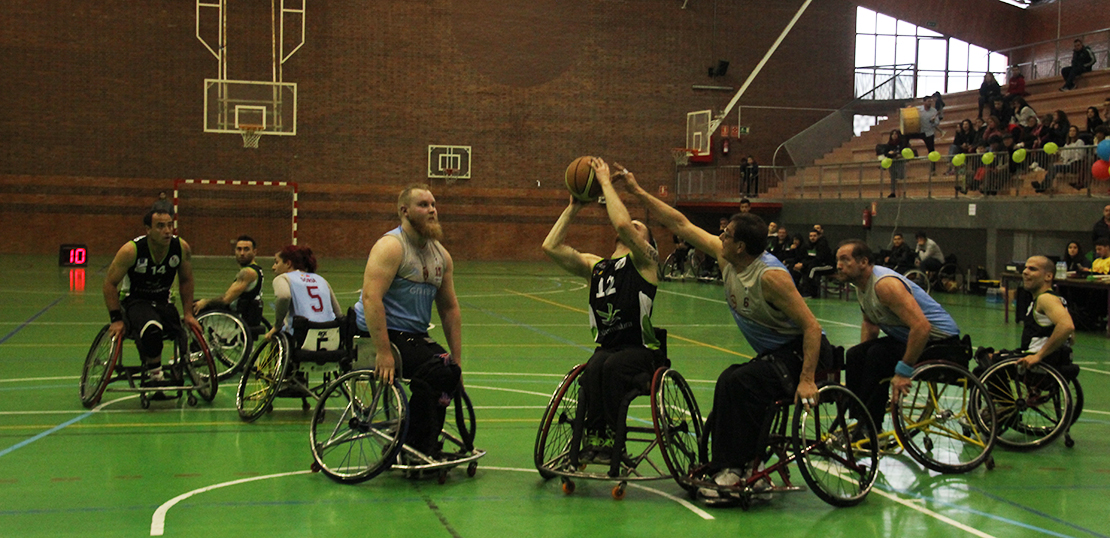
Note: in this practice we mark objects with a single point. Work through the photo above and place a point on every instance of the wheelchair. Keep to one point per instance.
(1035, 405)
(947, 420)
(947, 278)
(190, 369)
(230, 339)
(559, 441)
(280, 366)
(672, 267)
(360, 424)
(834, 444)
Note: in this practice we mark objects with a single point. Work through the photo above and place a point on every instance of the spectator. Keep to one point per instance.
(817, 261)
(1022, 111)
(987, 92)
(994, 128)
(1082, 60)
(895, 143)
(1101, 264)
(1093, 121)
(1002, 110)
(929, 255)
(745, 207)
(929, 119)
(1059, 125)
(1071, 159)
(1035, 133)
(963, 142)
(1075, 258)
(163, 204)
(681, 252)
(979, 128)
(1101, 229)
(780, 243)
(772, 233)
(792, 255)
(900, 257)
(1106, 108)
(750, 175)
(1015, 87)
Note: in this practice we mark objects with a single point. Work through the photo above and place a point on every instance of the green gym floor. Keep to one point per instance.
(121, 470)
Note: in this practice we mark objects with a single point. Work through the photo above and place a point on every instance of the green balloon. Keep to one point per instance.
(886, 162)
(959, 159)
(1019, 155)
(988, 158)
(1051, 148)
(934, 156)
(907, 153)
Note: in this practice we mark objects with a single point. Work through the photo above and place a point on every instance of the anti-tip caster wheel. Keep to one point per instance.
(441, 476)
(144, 401)
(618, 491)
(192, 400)
(472, 469)
(568, 486)
(315, 467)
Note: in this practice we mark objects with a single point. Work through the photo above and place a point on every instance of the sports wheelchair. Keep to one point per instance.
(189, 370)
(947, 278)
(230, 339)
(360, 425)
(1035, 405)
(946, 421)
(281, 365)
(834, 443)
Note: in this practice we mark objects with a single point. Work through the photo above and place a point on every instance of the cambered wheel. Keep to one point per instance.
(946, 421)
(1034, 405)
(918, 277)
(678, 424)
(553, 440)
(99, 365)
(358, 427)
(229, 341)
(193, 352)
(837, 447)
(262, 377)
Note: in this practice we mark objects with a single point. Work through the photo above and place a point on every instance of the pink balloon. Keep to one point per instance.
(1101, 170)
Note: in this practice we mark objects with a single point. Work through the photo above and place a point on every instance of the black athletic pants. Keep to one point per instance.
(434, 378)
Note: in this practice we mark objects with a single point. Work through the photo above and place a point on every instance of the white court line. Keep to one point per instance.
(158, 520)
(40, 379)
(932, 514)
(718, 301)
(1084, 368)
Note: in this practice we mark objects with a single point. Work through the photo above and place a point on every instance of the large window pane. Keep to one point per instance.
(884, 50)
(865, 21)
(998, 62)
(929, 82)
(957, 55)
(885, 24)
(927, 32)
(932, 54)
(905, 28)
(865, 50)
(957, 83)
(906, 52)
(976, 58)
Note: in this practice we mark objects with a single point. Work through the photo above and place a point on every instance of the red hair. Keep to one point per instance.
(301, 258)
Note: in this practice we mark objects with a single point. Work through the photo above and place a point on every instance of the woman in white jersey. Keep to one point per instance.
(299, 291)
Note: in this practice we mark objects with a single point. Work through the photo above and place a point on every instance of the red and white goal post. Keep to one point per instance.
(210, 214)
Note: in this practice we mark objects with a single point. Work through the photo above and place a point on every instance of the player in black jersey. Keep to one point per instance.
(151, 262)
(1048, 329)
(622, 290)
(245, 293)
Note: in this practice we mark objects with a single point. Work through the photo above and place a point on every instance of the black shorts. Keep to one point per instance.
(139, 312)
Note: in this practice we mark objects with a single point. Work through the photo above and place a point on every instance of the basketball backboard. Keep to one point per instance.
(229, 104)
(448, 162)
(697, 130)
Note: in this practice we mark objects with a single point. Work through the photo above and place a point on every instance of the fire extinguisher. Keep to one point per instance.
(866, 219)
(724, 146)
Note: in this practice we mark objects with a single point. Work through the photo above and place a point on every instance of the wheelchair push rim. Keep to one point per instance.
(1034, 405)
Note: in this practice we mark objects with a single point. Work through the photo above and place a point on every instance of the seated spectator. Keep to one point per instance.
(929, 255)
(782, 245)
(1022, 111)
(995, 127)
(1101, 263)
(772, 232)
(979, 128)
(1071, 158)
(900, 257)
(1015, 86)
(1076, 259)
(1082, 61)
(1093, 121)
(987, 92)
(817, 261)
(1034, 133)
(1002, 111)
(963, 142)
(1059, 125)
(792, 255)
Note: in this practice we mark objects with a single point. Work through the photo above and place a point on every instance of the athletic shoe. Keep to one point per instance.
(727, 478)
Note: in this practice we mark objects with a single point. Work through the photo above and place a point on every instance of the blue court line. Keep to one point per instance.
(529, 327)
(1036, 512)
(30, 319)
(26, 442)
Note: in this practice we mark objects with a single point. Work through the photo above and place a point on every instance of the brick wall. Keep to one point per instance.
(109, 95)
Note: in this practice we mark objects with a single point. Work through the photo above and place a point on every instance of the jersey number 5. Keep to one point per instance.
(319, 306)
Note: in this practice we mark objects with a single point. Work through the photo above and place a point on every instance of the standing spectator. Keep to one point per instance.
(1101, 229)
(1015, 87)
(163, 204)
(987, 92)
(1082, 61)
(1075, 258)
(929, 120)
(1022, 111)
(893, 149)
(929, 255)
(750, 175)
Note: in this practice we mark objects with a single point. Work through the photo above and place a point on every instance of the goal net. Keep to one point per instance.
(210, 214)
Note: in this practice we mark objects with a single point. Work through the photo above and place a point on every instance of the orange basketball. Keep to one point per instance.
(580, 180)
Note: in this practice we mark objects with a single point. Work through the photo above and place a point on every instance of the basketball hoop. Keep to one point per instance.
(251, 135)
(449, 174)
(681, 156)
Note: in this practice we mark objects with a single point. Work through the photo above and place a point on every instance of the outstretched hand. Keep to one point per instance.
(629, 179)
(601, 169)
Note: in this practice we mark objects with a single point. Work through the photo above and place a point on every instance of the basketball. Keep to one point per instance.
(580, 180)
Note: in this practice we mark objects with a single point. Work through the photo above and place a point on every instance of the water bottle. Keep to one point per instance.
(1061, 270)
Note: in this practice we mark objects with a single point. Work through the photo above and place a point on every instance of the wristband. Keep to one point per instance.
(115, 315)
(903, 369)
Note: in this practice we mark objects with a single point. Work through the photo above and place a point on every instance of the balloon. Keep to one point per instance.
(1101, 170)
(1051, 148)
(907, 153)
(988, 158)
(1019, 155)
(1104, 149)
(959, 159)
(886, 162)
(934, 156)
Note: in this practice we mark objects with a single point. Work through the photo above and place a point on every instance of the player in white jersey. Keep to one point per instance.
(408, 269)
(299, 291)
(774, 319)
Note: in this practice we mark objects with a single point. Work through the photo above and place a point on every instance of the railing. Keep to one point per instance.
(1039, 174)
(1044, 59)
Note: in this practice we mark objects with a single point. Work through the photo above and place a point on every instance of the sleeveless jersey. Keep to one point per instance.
(1038, 327)
(765, 327)
(408, 302)
(942, 323)
(620, 305)
(151, 279)
(311, 298)
(249, 303)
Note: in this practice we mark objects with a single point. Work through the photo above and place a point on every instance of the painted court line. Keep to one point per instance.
(61, 426)
(30, 319)
(158, 520)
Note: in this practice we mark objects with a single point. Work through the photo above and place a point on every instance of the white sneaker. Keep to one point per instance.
(727, 478)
